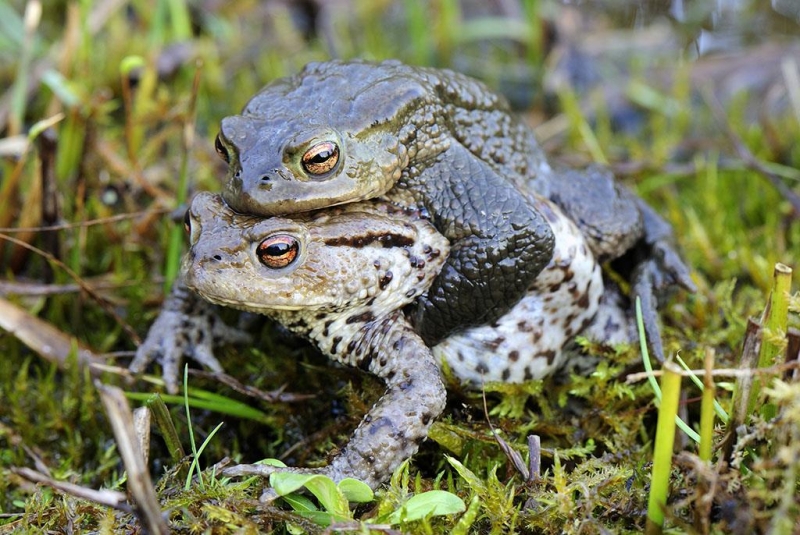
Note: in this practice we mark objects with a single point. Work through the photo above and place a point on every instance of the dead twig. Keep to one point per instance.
(110, 498)
(744, 153)
(140, 485)
(102, 301)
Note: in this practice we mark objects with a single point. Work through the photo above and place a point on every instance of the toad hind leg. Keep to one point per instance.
(617, 223)
(392, 430)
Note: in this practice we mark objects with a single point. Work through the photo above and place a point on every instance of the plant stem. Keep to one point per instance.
(774, 320)
(662, 454)
(707, 409)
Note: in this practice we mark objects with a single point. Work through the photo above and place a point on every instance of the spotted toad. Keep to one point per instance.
(342, 277)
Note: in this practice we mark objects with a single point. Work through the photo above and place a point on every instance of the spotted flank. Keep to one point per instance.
(528, 342)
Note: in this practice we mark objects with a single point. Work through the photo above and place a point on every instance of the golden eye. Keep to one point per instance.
(222, 151)
(278, 251)
(321, 158)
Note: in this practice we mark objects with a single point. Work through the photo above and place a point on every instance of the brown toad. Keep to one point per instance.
(342, 277)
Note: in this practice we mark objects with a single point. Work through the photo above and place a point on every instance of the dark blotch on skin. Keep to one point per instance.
(494, 344)
(550, 355)
(386, 240)
(385, 280)
(376, 425)
(573, 289)
(299, 324)
(335, 345)
(583, 302)
(366, 362)
(416, 262)
(513, 356)
(364, 317)
(506, 374)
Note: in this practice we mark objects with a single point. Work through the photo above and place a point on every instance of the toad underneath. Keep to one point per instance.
(343, 277)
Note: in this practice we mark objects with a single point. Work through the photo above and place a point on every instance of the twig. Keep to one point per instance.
(102, 301)
(723, 372)
(87, 223)
(744, 153)
(140, 486)
(42, 337)
(110, 498)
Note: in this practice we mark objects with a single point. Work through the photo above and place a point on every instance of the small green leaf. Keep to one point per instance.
(300, 504)
(272, 462)
(294, 529)
(356, 491)
(473, 481)
(431, 503)
(323, 518)
(329, 496)
(287, 482)
(322, 487)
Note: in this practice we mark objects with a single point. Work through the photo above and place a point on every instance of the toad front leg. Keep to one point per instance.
(393, 429)
(187, 327)
(499, 244)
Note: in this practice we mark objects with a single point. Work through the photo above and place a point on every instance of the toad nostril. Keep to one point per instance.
(265, 178)
(218, 258)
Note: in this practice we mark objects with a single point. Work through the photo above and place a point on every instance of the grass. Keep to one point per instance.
(136, 135)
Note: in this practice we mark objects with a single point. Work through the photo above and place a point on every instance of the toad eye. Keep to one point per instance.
(187, 222)
(222, 150)
(278, 251)
(321, 158)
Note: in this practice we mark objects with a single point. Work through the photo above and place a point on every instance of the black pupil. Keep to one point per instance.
(187, 220)
(278, 249)
(321, 157)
